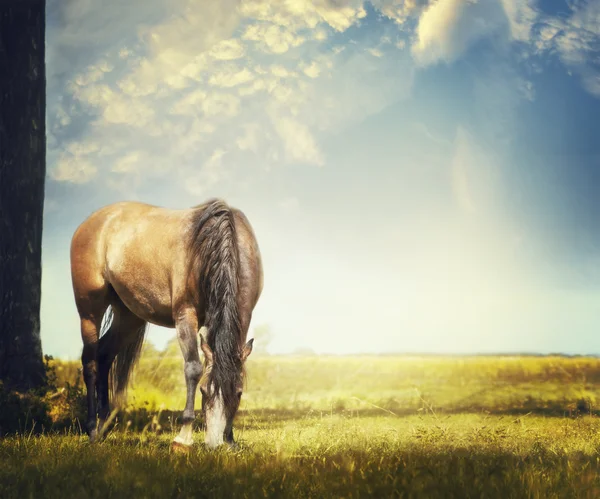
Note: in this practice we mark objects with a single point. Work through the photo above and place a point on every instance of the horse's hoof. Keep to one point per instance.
(180, 448)
(93, 435)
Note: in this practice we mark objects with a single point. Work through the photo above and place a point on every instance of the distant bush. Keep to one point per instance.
(305, 382)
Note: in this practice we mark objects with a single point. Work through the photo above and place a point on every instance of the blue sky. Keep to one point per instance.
(421, 176)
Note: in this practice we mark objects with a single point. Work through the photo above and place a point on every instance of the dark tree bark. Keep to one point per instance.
(22, 177)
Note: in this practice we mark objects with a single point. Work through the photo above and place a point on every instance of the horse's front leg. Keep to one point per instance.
(187, 334)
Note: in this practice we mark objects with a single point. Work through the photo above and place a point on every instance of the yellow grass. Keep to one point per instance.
(340, 427)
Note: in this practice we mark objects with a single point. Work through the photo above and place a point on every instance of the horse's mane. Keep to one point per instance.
(215, 259)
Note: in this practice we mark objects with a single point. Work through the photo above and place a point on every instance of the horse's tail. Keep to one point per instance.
(124, 362)
(215, 249)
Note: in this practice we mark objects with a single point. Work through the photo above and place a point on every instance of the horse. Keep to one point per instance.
(134, 263)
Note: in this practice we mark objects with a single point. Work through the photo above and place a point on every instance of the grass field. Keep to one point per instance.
(339, 427)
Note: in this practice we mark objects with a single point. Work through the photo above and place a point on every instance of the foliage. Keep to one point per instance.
(22, 412)
(262, 339)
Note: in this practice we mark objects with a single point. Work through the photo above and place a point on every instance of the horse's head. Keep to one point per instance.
(221, 387)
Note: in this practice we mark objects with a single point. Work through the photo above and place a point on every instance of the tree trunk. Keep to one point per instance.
(22, 177)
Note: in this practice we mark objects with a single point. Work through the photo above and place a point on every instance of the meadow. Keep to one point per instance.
(312, 426)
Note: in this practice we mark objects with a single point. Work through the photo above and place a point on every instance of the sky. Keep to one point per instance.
(421, 176)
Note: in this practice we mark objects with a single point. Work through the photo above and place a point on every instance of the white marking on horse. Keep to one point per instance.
(216, 421)
(185, 436)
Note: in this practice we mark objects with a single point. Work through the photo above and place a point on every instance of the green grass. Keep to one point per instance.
(341, 427)
(329, 456)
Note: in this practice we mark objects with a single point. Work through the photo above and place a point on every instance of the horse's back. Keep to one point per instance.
(141, 251)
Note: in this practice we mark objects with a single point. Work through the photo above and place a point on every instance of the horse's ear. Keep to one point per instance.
(205, 348)
(247, 349)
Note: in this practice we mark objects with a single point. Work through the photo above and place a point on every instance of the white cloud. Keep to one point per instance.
(191, 139)
(498, 91)
(74, 169)
(296, 15)
(578, 44)
(460, 178)
(574, 38)
(341, 18)
(343, 95)
(447, 28)
(227, 50)
(400, 10)
(273, 38)
(251, 138)
(526, 89)
(230, 76)
(474, 175)
(312, 70)
(210, 174)
(128, 163)
(180, 86)
(220, 105)
(93, 73)
(176, 48)
(521, 15)
(280, 71)
(375, 52)
(190, 104)
(299, 143)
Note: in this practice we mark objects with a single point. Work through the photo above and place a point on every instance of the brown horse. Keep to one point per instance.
(174, 268)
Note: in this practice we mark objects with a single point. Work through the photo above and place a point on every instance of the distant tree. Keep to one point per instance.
(22, 176)
(172, 349)
(262, 339)
(304, 352)
(149, 351)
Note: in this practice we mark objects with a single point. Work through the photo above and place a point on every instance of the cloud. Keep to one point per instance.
(521, 15)
(128, 163)
(210, 174)
(312, 70)
(74, 169)
(299, 143)
(578, 43)
(250, 138)
(273, 38)
(296, 15)
(447, 28)
(460, 174)
(194, 77)
(227, 50)
(114, 107)
(375, 52)
(400, 10)
(474, 175)
(231, 76)
(343, 95)
(575, 38)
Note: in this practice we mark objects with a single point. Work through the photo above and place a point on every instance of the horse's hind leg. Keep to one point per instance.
(90, 330)
(124, 330)
(107, 350)
(92, 299)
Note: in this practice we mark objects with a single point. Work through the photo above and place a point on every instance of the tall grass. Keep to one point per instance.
(367, 426)
(397, 384)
